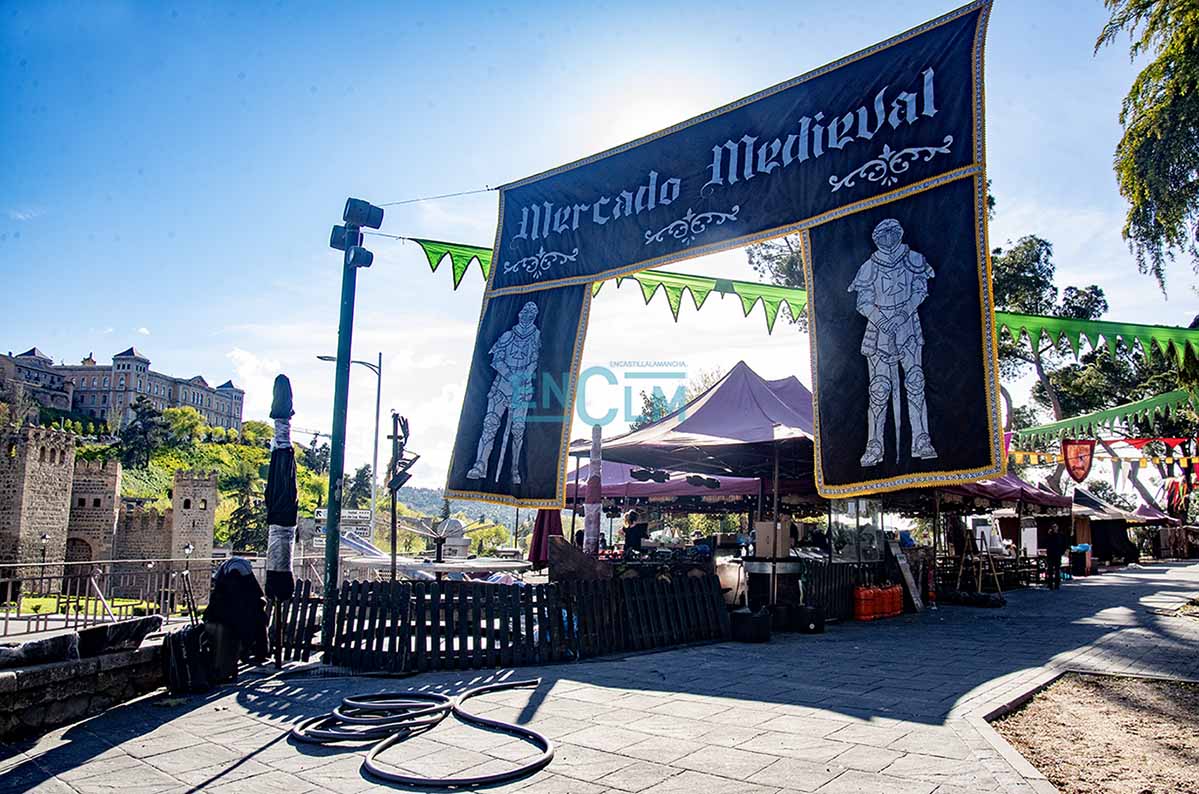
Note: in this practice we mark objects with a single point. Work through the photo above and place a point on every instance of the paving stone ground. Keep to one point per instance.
(891, 707)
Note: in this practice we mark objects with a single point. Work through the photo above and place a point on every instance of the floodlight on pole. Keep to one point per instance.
(348, 238)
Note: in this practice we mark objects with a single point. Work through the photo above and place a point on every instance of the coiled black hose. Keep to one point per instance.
(392, 717)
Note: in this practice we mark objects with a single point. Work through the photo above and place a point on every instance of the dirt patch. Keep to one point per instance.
(1089, 733)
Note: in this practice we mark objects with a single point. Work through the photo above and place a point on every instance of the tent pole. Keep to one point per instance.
(936, 531)
(574, 510)
(776, 483)
(774, 585)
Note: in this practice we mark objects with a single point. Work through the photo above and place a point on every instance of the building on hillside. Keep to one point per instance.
(106, 392)
(31, 376)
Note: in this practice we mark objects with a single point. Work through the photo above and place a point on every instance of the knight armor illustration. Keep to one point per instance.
(891, 285)
(514, 358)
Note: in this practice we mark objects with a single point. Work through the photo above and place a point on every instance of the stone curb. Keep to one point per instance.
(985, 713)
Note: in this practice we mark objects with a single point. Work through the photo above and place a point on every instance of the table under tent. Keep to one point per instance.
(752, 438)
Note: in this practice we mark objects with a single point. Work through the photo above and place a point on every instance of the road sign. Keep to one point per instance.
(348, 516)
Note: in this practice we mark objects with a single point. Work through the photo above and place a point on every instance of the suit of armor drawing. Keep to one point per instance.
(514, 358)
(891, 285)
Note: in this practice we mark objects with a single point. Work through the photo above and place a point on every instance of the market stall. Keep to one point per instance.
(1104, 527)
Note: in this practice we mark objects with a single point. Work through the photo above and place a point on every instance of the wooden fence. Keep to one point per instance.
(419, 626)
(301, 623)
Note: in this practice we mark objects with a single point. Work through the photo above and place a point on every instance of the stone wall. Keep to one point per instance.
(95, 506)
(36, 466)
(142, 534)
(36, 699)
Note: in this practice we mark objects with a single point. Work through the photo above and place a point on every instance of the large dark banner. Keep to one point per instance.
(901, 343)
(519, 396)
(875, 128)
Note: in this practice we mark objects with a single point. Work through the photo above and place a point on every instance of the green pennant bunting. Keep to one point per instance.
(1169, 340)
(460, 257)
(1149, 410)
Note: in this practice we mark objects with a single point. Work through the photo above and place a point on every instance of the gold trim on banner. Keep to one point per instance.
(812, 74)
(564, 437)
(990, 355)
(977, 170)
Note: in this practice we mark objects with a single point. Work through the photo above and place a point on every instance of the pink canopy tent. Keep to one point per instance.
(618, 483)
(1010, 488)
(1155, 516)
(743, 423)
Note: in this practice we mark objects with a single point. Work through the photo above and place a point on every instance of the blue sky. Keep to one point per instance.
(171, 171)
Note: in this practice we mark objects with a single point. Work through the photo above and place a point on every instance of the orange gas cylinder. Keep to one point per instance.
(874, 603)
(859, 603)
(897, 600)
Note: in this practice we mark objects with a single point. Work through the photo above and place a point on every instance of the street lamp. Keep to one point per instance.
(348, 239)
(45, 540)
(187, 550)
(378, 370)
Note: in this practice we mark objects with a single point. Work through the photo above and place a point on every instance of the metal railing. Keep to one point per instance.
(55, 597)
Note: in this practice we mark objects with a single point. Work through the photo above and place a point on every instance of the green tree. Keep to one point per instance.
(90, 429)
(1023, 280)
(145, 433)
(255, 433)
(779, 261)
(653, 408)
(184, 426)
(445, 509)
(217, 434)
(247, 529)
(1157, 159)
(316, 457)
(358, 490)
(486, 538)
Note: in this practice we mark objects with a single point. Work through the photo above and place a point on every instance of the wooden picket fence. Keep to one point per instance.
(301, 623)
(419, 626)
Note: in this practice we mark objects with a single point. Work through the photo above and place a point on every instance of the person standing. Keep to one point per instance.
(1055, 546)
(634, 532)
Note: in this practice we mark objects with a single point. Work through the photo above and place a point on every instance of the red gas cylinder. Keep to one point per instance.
(897, 600)
(874, 603)
(859, 603)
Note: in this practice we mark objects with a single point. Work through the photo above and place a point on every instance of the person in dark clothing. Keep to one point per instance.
(635, 531)
(1055, 546)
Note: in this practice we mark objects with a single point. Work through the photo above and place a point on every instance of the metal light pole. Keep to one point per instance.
(378, 370)
(346, 238)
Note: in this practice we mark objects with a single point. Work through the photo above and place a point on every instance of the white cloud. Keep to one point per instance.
(256, 376)
(23, 215)
(144, 331)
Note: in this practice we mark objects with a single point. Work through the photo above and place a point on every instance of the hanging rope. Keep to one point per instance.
(435, 198)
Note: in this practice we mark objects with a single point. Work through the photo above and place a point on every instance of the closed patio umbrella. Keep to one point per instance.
(548, 523)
